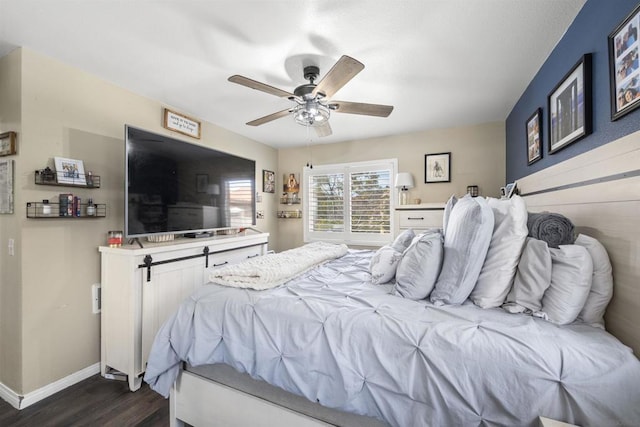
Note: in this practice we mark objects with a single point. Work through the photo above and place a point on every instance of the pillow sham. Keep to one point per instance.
(466, 241)
(601, 285)
(571, 275)
(404, 239)
(383, 265)
(499, 268)
(533, 277)
(448, 207)
(420, 265)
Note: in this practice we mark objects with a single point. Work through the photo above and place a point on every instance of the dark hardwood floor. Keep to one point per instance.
(92, 402)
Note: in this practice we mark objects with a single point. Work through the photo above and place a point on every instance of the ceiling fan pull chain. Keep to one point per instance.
(310, 161)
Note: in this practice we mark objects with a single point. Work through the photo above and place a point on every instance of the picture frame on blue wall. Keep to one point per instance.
(624, 66)
(569, 106)
(534, 137)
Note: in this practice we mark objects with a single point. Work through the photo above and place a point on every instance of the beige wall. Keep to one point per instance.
(67, 112)
(10, 273)
(477, 158)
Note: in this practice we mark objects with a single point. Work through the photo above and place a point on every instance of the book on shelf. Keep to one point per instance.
(66, 204)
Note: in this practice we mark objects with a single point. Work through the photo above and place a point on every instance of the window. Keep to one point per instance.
(240, 202)
(349, 203)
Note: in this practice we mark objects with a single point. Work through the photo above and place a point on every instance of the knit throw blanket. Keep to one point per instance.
(553, 228)
(271, 270)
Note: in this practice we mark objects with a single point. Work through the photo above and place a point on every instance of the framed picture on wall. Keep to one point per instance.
(437, 167)
(202, 182)
(534, 137)
(69, 171)
(7, 143)
(624, 69)
(268, 181)
(569, 106)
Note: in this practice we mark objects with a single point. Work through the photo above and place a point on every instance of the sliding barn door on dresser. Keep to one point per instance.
(142, 287)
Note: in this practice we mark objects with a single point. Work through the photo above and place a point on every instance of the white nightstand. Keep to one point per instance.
(419, 217)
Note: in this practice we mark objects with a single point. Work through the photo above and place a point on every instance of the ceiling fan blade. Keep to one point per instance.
(339, 75)
(253, 84)
(361, 108)
(269, 118)
(324, 130)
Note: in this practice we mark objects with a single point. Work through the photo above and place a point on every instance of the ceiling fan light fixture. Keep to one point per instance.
(311, 113)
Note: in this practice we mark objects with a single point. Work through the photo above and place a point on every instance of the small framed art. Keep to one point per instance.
(202, 182)
(180, 123)
(437, 167)
(7, 143)
(569, 106)
(69, 171)
(268, 181)
(534, 137)
(6, 186)
(624, 67)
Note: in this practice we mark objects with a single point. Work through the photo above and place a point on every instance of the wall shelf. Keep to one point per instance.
(49, 177)
(297, 214)
(39, 210)
(290, 200)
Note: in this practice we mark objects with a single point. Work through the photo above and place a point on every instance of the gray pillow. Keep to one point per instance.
(420, 265)
(533, 277)
(403, 240)
(466, 241)
(383, 265)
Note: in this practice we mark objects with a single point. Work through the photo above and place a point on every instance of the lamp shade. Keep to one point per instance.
(404, 180)
(213, 189)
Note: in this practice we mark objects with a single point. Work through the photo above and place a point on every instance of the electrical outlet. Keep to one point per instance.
(11, 247)
(96, 298)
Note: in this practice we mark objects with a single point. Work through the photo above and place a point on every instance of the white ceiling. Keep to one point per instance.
(440, 63)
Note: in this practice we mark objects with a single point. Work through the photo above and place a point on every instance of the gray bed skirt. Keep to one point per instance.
(225, 374)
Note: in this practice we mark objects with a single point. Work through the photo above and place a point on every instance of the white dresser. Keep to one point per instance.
(142, 287)
(419, 217)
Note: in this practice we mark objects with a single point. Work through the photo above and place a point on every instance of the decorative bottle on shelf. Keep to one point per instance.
(46, 208)
(91, 208)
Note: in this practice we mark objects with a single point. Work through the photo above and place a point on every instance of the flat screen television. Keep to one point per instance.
(176, 187)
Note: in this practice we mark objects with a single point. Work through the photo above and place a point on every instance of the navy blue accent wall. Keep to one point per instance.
(588, 33)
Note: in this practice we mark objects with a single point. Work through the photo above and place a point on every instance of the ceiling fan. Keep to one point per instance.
(313, 103)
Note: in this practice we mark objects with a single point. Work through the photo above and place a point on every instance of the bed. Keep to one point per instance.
(334, 338)
(357, 353)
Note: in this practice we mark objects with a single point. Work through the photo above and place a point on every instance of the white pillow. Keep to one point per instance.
(466, 241)
(499, 269)
(404, 239)
(533, 277)
(448, 207)
(420, 265)
(571, 272)
(383, 265)
(602, 284)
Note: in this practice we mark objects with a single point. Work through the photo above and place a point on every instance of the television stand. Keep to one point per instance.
(142, 287)
(136, 240)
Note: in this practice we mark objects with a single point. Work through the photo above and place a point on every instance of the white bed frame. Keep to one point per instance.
(202, 402)
(598, 190)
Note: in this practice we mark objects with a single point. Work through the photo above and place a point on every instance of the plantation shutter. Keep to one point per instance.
(349, 203)
(371, 202)
(240, 206)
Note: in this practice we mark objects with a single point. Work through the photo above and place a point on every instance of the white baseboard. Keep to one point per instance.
(9, 396)
(21, 402)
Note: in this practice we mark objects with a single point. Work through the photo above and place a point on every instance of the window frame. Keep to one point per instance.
(346, 236)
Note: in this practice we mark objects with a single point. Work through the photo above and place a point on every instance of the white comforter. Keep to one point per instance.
(333, 337)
